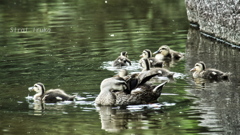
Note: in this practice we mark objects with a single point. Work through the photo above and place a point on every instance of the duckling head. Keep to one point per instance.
(108, 87)
(39, 88)
(113, 85)
(125, 54)
(164, 50)
(146, 53)
(200, 66)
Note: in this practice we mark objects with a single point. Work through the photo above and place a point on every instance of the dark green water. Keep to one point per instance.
(69, 45)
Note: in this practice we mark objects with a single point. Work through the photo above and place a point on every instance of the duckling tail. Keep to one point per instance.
(171, 75)
(73, 97)
(225, 76)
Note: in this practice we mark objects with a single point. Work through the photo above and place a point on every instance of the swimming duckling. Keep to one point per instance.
(165, 53)
(147, 54)
(116, 90)
(122, 60)
(200, 71)
(164, 72)
(50, 96)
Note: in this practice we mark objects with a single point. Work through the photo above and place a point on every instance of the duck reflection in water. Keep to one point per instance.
(115, 119)
(39, 108)
(168, 56)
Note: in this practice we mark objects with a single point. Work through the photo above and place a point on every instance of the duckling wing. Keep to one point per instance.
(118, 62)
(126, 60)
(155, 63)
(145, 76)
(55, 95)
(132, 83)
(121, 61)
(215, 74)
(175, 54)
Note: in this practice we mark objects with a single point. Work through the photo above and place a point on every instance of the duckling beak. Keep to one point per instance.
(141, 55)
(156, 52)
(193, 69)
(30, 89)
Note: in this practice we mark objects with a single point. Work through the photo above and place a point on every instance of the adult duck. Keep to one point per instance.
(134, 90)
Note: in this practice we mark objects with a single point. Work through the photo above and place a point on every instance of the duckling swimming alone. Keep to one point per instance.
(200, 71)
(122, 60)
(117, 91)
(165, 53)
(147, 54)
(50, 96)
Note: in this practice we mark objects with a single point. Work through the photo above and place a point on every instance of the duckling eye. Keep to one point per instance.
(164, 49)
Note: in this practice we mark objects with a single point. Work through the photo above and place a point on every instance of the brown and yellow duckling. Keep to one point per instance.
(50, 96)
(165, 53)
(147, 54)
(200, 71)
(122, 60)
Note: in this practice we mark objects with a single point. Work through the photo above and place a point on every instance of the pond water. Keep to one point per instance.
(71, 45)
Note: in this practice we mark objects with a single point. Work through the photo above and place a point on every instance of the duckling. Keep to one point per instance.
(122, 73)
(164, 72)
(165, 53)
(116, 90)
(147, 54)
(200, 71)
(50, 96)
(122, 60)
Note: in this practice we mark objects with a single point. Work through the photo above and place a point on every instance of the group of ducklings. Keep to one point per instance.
(130, 89)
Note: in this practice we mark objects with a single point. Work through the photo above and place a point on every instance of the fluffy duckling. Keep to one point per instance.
(200, 71)
(164, 72)
(117, 91)
(147, 54)
(165, 53)
(122, 73)
(50, 96)
(122, 60)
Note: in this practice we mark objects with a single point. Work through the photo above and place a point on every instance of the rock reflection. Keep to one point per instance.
(219, 102)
